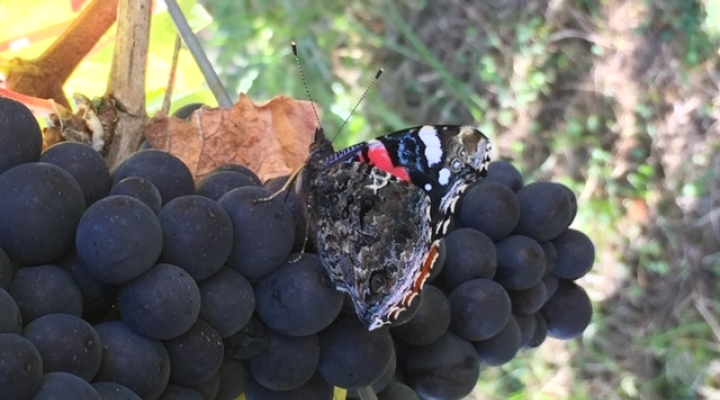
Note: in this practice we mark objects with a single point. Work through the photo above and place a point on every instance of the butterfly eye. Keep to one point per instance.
(377, 282)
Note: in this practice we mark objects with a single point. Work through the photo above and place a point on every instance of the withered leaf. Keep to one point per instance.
(271, 138)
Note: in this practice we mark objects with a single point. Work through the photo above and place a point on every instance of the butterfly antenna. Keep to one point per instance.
(367, 89)
(304, 82)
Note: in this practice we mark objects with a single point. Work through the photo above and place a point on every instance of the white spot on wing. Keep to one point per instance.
(444, 176)
(428, 187)
(433, 148)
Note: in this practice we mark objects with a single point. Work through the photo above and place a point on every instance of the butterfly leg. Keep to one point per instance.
(291, 179)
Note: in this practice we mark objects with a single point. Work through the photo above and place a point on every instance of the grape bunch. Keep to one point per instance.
(138, 284)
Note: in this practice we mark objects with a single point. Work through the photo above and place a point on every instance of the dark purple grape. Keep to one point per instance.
(575, 255)
(505, 173)
(263, 231)
(162, 304)
(429, 323)
(216, 184)
(550, 256)
(186, 111)
(65, 386)
(20, 137)
(314, 389)
(544, 210)
(209, 389)
(114, 391)
(168, 173)
(85, 164)
(97, 297)
(141, 189)
(234, 375)
(227, 301)
(241, 169)
(118, 239)
(288, 362)
(490, 208)
(502, 347)
(539, 333)
(174, 392)
(298, 299)
(7, 270)
(351, 356)
(20, 368)
(446, 369)
(66, 344)
(528, 301)
(40, 206)
(479, 309)
(521, 262)
(526, 324)
(397, 391)
(10, 319)
(275, 184)
(196, 355)
(197, 235)
(573, 203)
(45, 289)
(470, 254)
(250, 341)
(551, 285)
(132, 360)
(568, 312)
(381, 383)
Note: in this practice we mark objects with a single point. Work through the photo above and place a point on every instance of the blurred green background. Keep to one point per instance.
(618, 99)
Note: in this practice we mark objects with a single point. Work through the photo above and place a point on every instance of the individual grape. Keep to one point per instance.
(174, 392)
(196, 355)
(526, 324)
(470, 255)
(275, 184)
(521, 262)
(141, 189)
(250, 341)
(397, 391)
(216, 184)
(551, 285)
(351, 356)
(502, 347)
(186, 111)
(575, 255)
(227, 301)
(381, 383)
(139, 363)
(20, 367)
(490, 208)
(234, 375)
(65, 386)
(10, 319)
(97, 297)
(528, 301)
(7, 271)
(298, 299)
(314, 389)
(209, 389)
(40, 206)
(505, 173)
(446, 369)
(85, 164)
(288, 362)
(20, 136)
(45, 289)
(550, 256)
(573, 203)
(168, 173)
(238, 168)
(263, 231)
(197, 235)
(163, 303)
(568, 312)
(114, 391)
(540, 332)
(544, 210)
(429, 323)
(118, 239)
(66, 344)
(479, 309)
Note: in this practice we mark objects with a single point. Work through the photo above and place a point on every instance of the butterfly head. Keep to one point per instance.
(471, 148)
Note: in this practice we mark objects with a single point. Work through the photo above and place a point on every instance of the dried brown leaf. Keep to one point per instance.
(271, 138)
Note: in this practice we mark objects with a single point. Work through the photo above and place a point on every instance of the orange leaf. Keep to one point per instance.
(271, 138)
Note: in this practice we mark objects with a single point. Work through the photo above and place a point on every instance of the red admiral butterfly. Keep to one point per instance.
(377, 210)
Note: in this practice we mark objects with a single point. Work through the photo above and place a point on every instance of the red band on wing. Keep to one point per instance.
(424, 274)
(380, 158)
